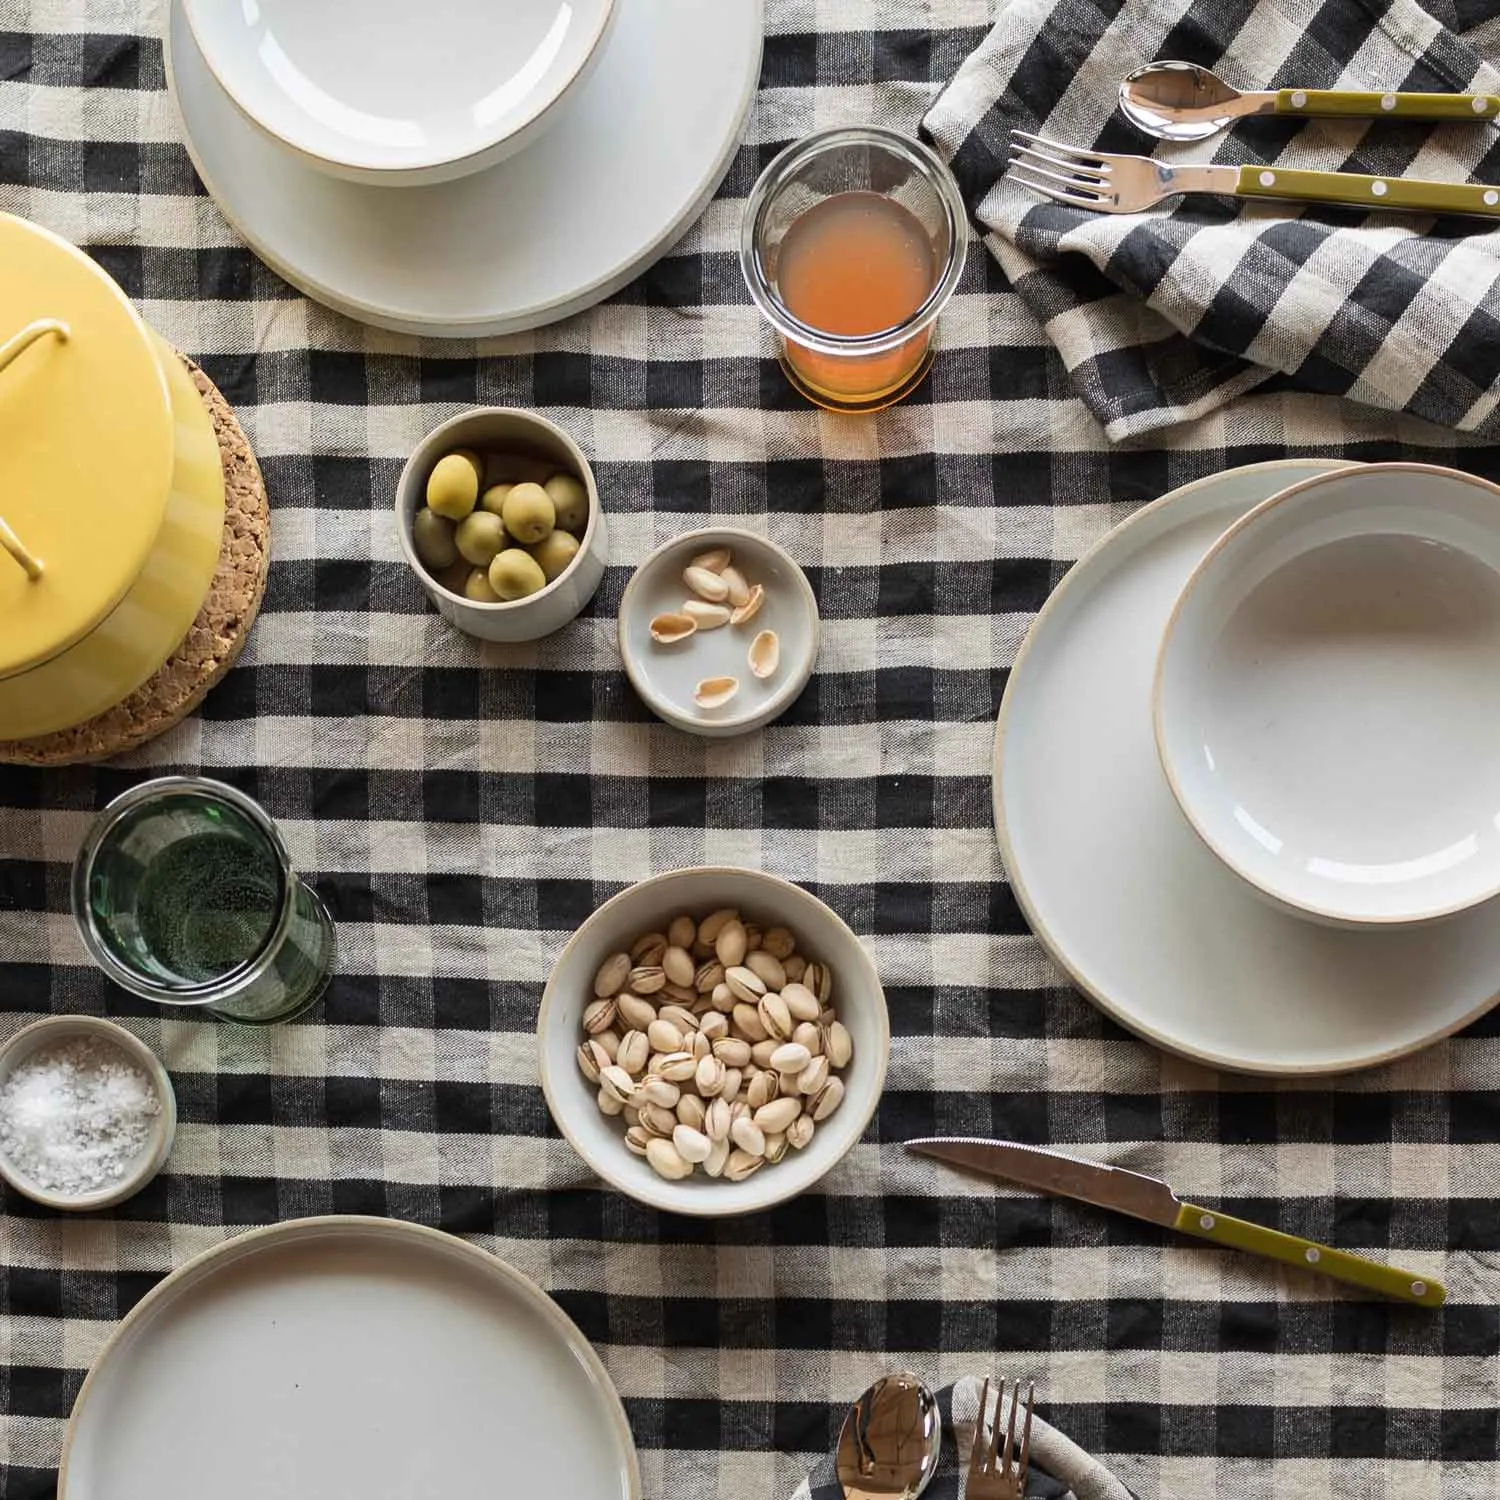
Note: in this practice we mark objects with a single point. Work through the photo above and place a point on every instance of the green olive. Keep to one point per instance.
(554, 552)
(493, 499)
(571, 499)
(514, 574)
(529, 513)
(479, 537)
(452, 487)
(477, 587)
(432, 537)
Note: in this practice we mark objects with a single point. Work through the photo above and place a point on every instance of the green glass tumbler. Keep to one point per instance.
(184, 894)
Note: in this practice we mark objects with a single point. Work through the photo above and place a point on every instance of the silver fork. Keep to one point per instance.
(1116, 184)
(997, 1473)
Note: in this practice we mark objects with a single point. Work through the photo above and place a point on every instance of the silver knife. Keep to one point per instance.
(1151, 1199)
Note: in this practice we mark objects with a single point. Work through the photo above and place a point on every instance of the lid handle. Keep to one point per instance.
(10, 351)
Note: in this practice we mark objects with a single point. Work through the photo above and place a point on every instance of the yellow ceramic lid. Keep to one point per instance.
(85, 445)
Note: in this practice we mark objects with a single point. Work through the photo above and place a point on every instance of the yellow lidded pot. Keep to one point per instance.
(111, 490)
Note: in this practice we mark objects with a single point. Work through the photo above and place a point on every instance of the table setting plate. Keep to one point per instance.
(346, 1358)
(1130, 903)
(559, 226)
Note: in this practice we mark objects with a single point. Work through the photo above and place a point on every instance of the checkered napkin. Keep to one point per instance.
(1060, 1469)
(1166, 315)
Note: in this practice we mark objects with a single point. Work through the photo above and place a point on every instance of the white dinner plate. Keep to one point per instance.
(631, 163)
(1128, 900)
(346, 1358)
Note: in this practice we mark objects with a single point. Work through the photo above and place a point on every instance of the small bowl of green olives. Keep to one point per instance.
(498, 514)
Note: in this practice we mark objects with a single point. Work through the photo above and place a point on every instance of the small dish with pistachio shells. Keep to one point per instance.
(498, 514)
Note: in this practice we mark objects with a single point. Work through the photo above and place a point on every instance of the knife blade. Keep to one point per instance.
(1151, 1199)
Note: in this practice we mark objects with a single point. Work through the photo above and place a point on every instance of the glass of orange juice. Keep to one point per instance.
(852, 244)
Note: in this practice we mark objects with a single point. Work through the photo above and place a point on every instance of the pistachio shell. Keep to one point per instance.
(669, 629)
(718, 1158)
(675, 1067)
(715, 692)
(716, 559)
(609, 1104)
(715, 1025)
(775, 1147)
(706, 584)
(739, 590)
(765, 654)
(616, 1081)
(745, 983)
(800, 1131)
(743, 613)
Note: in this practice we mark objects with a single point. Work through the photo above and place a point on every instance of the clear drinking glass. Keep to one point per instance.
(184, 894)
(853, 241)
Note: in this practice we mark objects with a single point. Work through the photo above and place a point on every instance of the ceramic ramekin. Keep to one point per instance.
(1325, 706)
(510, 430)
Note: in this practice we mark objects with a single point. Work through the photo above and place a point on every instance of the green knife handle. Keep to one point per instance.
(1349, 104)
(1389, 1281)
(1369, 192)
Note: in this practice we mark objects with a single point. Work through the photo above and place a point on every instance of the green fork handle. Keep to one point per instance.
(1348, 104)
(1360, 191)
(1239, 1234)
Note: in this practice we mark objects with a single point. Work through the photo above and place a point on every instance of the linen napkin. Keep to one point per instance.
(1060, 1469)
(1166, 315)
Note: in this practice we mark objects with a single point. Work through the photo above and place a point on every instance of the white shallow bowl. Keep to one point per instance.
(650, 906)
(381, 92)
(503, 429)
(49, 1032)
(1326, 705)
(665, 676)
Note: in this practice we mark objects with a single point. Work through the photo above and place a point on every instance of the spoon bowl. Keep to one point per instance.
(888, 1448)
(1180, 101)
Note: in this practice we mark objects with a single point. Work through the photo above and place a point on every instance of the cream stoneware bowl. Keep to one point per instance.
(651, 906)
(389, 94)
(1327, 696)
(54, 1030)
(502, 429)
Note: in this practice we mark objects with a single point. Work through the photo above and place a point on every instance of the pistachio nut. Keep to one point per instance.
(774, 1117)
(766, 968)
(679, 965)
(680, 1017)
(813, 1077)
(746, 984)
(732, 1051)
(746, 1023)
(775, 1147)
(717, 1157)
(776, 1017)
(701, 1046)
(599, 1015)
(658, 1120)
(729, 946)
(610, 1041)
(636, 1140)
(800, 1131)
(742, 1164)
(731, 1089)
(753, 935)
(801, 1001)
(762, 1052)
(722, 998)
(634, 1052)
(666, 1161)
(748, 1136)
(678, 994)
(790, 1057)
(795, 966)
(716, 1120)
(708, 977)
(810, 1035)
(591, 1058)
(660, 1091)
(692, 1145)
(647, 979)
(682, 932)
(779, 943)
(608, 1103)
(613, 973)
(819, 979)
(664, 1036)
(713, 924)
(827, 1099)
(710, 1076)
(692, 1111)
(762, 1089)
(714, 1025)
(637, 1014)
(649, 949)
(675, 1067)
(615, 1080)
(838, 1045)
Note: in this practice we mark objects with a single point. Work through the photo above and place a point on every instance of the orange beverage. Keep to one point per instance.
(853, 242)
(857, 263)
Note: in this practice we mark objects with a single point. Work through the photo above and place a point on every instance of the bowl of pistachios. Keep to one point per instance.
(498, 514)
(713, 1041)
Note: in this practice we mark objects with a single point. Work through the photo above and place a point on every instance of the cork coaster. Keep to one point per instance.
(215, 638)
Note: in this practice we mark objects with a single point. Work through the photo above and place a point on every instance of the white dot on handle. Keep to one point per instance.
(1268, 179)
(1206, 1222)
(1314, 1255)
(1299, 100)
(1419, 1289)
(1379, 189)
(1491, 197)
(1481, 106)
(1388, 102)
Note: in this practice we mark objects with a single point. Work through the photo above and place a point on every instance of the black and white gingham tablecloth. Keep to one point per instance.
(463, 808)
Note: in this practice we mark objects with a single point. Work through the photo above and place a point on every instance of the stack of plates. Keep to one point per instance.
(638, 147)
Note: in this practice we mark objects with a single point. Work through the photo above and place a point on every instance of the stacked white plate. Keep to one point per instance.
(1129, 900)
(622, 146)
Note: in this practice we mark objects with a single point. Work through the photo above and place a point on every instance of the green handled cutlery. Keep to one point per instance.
(1151, 1199)
(1110, 183)
(1179, 101)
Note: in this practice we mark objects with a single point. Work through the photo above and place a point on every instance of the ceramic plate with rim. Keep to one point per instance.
(1126, 897)
(554, 229)
(665, 676)
(375, 90)
(346, 1358)
(1325, 704)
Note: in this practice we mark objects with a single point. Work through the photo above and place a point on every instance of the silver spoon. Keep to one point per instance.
(888, 1448)
(1179, 101)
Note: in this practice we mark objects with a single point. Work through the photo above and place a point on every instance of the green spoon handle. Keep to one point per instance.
(1239, 1234)
(1359, 191)
(1347, 103)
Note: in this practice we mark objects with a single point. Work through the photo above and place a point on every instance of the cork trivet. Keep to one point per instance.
(214, 639)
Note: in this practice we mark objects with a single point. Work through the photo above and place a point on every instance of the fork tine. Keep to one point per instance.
(1062, 156)
(995, 1430)
(1080, 197)
(1010, 1427)
(976, 1452)
(1026, 156)
(1060, 148)
(1026, 1430)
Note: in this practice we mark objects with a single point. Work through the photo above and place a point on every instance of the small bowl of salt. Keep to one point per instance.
(87, 1113)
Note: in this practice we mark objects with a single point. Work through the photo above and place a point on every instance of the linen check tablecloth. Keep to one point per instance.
(463, 808)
